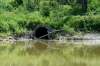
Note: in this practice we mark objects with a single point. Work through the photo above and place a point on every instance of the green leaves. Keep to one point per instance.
(47, 6)
(4, 27)
(94, 7)
(23, 15)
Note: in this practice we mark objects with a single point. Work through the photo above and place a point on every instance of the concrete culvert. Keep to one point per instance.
(43, 32)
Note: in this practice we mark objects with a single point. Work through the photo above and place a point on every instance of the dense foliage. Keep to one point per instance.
(17, 16)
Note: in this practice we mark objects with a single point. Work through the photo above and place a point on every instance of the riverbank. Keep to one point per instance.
(86, 39)
(82, 36)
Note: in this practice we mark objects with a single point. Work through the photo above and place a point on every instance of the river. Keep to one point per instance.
(62, 52)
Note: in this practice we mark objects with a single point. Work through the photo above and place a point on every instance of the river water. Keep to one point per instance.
(60, 52)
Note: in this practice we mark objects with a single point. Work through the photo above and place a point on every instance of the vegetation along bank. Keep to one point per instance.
(21, 16)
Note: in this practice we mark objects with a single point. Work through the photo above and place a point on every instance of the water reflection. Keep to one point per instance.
(53, 51)
(41, 45)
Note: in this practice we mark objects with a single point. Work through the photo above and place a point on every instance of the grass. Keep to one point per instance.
(52, 55)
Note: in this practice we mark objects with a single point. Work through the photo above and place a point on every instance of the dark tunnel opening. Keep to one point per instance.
(41, 33)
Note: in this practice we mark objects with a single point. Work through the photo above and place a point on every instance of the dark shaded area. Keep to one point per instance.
(84, 5)
(42, 32)
(19, 2)
(62, 1)
(16, 3)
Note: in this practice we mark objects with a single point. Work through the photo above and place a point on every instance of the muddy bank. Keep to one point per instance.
(28, 36)
(86, 36)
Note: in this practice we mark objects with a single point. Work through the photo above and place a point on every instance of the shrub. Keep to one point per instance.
(16, 3)
(85, 23)
(13, 26)
(46, 6)
(4, 27)
(93, 7)
(68, 29)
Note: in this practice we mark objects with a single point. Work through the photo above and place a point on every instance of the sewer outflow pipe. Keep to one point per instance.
(43, 32)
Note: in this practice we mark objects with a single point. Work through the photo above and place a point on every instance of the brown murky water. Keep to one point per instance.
(50, 53)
